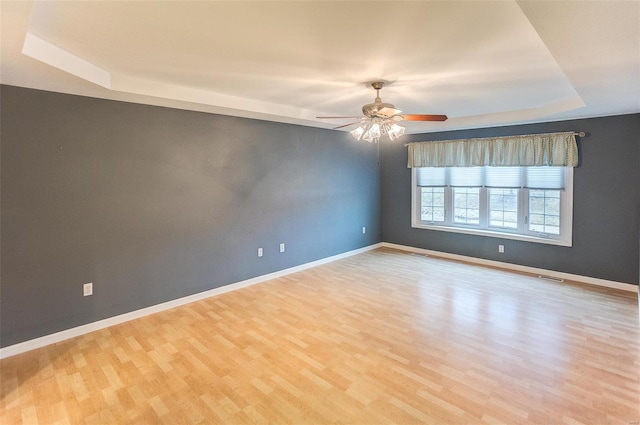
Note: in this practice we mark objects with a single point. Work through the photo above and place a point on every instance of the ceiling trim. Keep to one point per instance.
(46, 52)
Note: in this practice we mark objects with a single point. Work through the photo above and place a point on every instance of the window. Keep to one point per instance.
(544, 211)
(524, 203)
(466, 205)
(432, 204)
(503, 208)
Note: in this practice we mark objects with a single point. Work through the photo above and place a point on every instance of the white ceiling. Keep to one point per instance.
(483, 63)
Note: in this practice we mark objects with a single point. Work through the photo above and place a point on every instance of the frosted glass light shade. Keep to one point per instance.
(357, 133)
(372, 134)
(395, 131)
(372, 131)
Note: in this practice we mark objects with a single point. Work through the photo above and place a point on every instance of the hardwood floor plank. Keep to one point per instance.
(381, 337)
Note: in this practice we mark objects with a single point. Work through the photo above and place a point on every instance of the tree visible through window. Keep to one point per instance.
(544, 211)
(503, 208)
(466, 205)
(432, 206)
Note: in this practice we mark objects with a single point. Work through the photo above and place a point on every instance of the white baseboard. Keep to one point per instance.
(25, 346)
(32, 344)
(525, 269)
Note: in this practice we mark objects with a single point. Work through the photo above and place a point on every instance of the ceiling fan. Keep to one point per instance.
(379, 118)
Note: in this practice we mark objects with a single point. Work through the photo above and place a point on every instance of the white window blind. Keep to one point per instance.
(432, 177)
(466, 177)
(497, 177)
(503, 177)
(545, 177)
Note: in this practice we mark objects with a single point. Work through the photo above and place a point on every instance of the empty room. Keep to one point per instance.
(315, 212)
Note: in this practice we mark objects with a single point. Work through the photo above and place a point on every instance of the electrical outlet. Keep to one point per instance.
(259, 252)
(87, 289)
(501, 249)
(282, 247)
(364, 230)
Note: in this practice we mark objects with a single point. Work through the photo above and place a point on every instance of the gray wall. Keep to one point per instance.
(151, 204)
(606, 203)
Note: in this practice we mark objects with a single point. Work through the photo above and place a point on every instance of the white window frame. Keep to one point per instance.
(565, 238)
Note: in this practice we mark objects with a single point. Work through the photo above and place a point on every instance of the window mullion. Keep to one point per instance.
(523, 209)
(448, 201)
(484, 208)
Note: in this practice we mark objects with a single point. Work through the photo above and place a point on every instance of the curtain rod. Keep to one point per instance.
(574, 133)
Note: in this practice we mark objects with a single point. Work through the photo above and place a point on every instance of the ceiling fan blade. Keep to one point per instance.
(331, 118)
(388, 112)
(423, 117)
(347, 125)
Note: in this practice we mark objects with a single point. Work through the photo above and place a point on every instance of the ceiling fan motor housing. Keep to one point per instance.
(371, 110)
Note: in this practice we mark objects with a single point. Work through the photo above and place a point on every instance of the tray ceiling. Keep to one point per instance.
(481, 63)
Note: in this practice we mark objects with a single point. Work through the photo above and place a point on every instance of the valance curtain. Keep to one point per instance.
(552, 149)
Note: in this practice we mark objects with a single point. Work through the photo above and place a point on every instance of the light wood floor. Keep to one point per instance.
(382, 337)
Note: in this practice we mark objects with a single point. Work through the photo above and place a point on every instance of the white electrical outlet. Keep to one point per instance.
(259, 252)
(364, 230)
(282, 247)
(501, 249)
(87, 289)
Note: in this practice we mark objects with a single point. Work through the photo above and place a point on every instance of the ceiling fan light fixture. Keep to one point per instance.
(358, 132)
(373, 133)
(395, 131)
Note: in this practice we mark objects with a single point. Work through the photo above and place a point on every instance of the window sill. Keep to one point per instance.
(495, 234)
